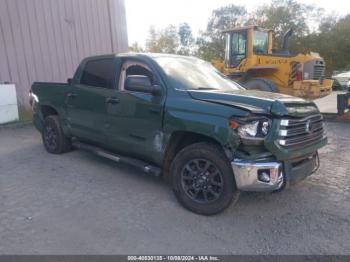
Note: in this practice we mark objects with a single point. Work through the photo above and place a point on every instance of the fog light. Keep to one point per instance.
(274, 175)
(264, 175)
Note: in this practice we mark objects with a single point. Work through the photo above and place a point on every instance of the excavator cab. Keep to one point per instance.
(242, 43)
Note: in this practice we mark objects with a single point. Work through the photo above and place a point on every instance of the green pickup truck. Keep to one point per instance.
(178, 117)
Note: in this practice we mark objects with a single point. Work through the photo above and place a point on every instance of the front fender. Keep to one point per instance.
(203, 118)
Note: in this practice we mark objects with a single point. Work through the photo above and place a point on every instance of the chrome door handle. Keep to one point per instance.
(112, 100)
(71, 95)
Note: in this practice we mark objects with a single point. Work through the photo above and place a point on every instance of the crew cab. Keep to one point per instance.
(180, 118)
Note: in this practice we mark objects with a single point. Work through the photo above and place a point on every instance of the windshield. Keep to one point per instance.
(195, 74)
(260, 44)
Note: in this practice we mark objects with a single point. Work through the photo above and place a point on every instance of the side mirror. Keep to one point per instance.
(140, 83)
(69, 81)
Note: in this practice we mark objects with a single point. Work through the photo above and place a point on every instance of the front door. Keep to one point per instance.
(136, 122)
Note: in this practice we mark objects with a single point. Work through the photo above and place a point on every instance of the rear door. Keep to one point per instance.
(89, 98)
(136, 122)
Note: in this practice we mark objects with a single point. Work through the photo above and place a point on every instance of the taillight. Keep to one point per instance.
(30, 97)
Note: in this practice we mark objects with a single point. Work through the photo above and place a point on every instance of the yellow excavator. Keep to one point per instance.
(251, 60)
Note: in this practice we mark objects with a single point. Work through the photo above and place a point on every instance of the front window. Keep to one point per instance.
(194, 74)
(260, 43)
(134, 68)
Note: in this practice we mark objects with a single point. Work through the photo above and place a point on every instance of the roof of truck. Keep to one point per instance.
(133, 54)
(152, 55)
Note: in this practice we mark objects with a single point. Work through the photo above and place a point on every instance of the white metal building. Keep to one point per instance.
(44, 40)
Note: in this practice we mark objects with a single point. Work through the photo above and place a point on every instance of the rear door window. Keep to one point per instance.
(100, 73)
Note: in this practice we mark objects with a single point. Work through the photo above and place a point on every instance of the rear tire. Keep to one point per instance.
(202, 179)
(54, 140)
(261, 84)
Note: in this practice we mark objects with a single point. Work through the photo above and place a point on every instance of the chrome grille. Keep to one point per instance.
(294, 132)
(318, 73)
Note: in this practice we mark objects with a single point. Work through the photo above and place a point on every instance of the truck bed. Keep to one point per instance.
(50, 93)
(49, 84)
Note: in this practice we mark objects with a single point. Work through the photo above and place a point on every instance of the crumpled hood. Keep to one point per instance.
(258, 102)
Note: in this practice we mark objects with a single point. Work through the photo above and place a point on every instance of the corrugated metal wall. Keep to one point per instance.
(44, 40)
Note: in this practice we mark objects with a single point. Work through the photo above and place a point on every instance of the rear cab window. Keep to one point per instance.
(260, 42)
(100, 73)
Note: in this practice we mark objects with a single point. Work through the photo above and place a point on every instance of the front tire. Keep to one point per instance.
(203, 180)
(54, 140)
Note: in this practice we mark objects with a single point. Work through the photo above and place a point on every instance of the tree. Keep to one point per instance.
(211, 43)
(332, 41)
(172, 39)
(313, 31)
(163, 41)
(135, 47)
(151, 42)
(281, 15)
(186, 39)
(168, 41)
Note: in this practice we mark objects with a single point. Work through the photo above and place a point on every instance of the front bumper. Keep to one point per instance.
(312, 89)
(271, 176)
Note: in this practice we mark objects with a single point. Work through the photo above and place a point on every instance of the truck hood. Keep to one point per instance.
(258, 102)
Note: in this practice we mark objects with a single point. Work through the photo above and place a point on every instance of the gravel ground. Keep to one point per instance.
(78, 203)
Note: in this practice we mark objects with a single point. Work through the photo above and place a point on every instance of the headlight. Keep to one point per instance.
(252, 127)
(265, 127)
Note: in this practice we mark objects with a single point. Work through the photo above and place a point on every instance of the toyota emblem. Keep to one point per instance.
(308, 126)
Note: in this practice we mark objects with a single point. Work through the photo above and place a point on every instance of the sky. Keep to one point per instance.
(141, 14)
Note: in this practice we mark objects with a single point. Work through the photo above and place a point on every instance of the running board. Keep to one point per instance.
(145, 167)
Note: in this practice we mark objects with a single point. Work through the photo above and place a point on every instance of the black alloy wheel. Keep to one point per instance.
(202, 181)
(54, 139)
(50, 137)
